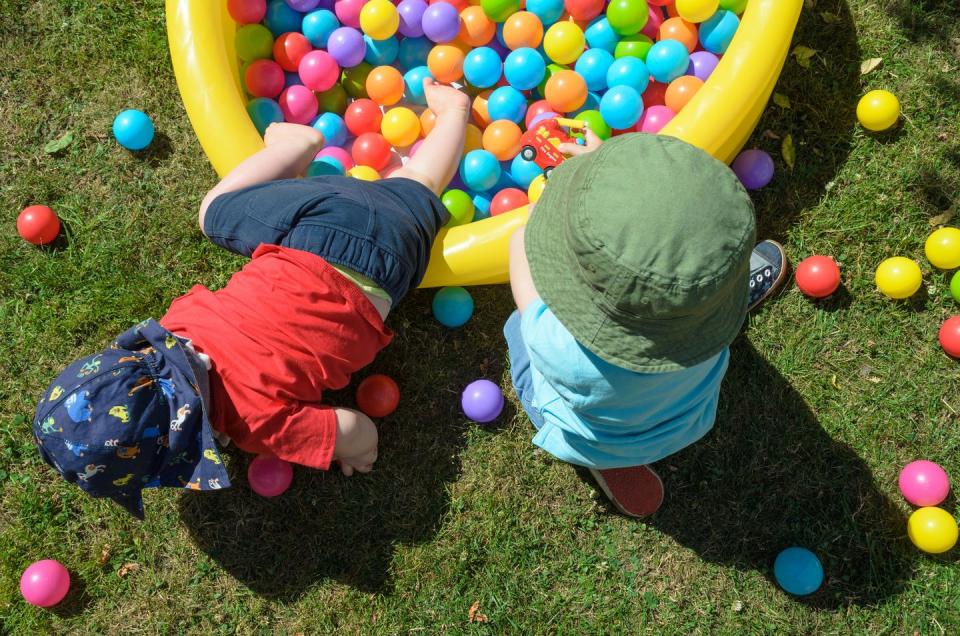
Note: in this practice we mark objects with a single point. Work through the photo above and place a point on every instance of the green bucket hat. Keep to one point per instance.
(642, 251)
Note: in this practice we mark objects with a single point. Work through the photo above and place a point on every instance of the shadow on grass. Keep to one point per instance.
(768, 477)
(924, 20)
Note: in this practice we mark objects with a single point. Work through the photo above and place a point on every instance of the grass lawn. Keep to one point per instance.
(823, 404)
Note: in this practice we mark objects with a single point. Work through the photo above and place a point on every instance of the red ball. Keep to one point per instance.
(583, 9)
(371, 149)
(950, 336)
(247, 11)
(363, 116)
(536, 109)
(264, 78)
(655, 95)
(289, 49)
(818, 276)
(38, 224)
(378, 395)
(508, 199)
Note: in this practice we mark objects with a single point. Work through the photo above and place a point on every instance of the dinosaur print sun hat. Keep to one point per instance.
(131, 417)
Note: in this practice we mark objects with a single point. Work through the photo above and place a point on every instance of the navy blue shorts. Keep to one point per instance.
(382, 229)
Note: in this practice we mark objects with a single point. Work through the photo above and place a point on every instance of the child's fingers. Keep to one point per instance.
(573, 149)
(346, 469)
(593, 141)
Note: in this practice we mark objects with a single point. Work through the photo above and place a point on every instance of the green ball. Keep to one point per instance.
(355, 80)
(737, 6)
(595, 122)
(627, 16)
(333, 100)
(499, 10)
(459, 205)
(955, 287)
(551, 69)
(254, 42)
(636, 45)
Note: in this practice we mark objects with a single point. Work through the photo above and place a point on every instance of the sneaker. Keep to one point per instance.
(768, 269)
(636, 491)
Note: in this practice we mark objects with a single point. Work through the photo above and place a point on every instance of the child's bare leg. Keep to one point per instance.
(290, 149)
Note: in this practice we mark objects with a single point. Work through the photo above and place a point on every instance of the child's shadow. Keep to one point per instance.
(769, 477)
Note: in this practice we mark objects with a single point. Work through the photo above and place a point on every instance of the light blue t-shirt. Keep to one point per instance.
(603, 416)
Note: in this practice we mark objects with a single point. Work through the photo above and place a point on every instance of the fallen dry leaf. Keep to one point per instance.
(942, 219)
(781, 100)
(104, 556)
(769, 134)
(869, 65)
(788, 151)
(127, 568)
(474, 615)
(829, 18)
(803, 54)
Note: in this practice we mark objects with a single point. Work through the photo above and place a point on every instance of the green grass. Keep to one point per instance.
(824, 402)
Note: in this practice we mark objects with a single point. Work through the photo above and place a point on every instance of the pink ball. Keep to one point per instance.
(654, 119)
(45, 583)
(318, 70)
(269, 476)
(348, 12)
(414, 148)
(924, 483)
(339, 154)
(299, 104)
(652, 28)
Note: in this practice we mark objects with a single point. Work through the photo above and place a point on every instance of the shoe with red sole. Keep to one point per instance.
(636, 491)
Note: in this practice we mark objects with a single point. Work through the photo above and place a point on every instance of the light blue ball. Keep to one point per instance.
(479, 170)
(381, 52)
(600, 35)
(621, 107)
(549, 11)
(507, 102)
(667, 60)
(629, 71)
(592, 65)
(592, 103)
(452, 306)
(481, 204)
(281, 18)
(523, 172)
(333, 128)
(134, 129)
(318, 25)
(524, 68)
(413, 79)
(325, 166)
(717, 32)
(263, 111)
(482, 67)
(798, 571)
(413, 52)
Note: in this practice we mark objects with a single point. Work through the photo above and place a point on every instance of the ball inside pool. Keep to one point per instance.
(133, 129)
(949, 336)
(453, 306)
(924, 483)
(460, 206)
(38, 224)
(818, 276)
(269, 476)
(482, 401)
(378, 395)
(45, 583)
(798, 571)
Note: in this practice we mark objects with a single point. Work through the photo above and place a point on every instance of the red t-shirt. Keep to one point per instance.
(285, 327)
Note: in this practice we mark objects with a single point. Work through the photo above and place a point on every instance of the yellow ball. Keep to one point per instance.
(364, 173)
(400, 126)
(473, 140)
(899, 277)
(697, 10)
(932, 530)
(564, 42)
(943, 248)
(878, 110)
(379, 19)
(535, 189)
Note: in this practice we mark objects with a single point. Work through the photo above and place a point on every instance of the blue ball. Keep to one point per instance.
(524, 68)
(413, 52)
(318, 25)
(621, 107)
(333, 128)
(507, 102)
(481, 204)
(264, 111)
(479, 170)
(289, 79)
(667, 60)
(549, 11)
(134, 129)
(482, 67)
(592, 103)
(413, 79)
(629, 71)
(325, 166)
(453, 306)
(381, 52)
(281, 18)
(505, 180)
(592, 65)
(523, 172)
(717, 32)
(798, 571)
(600, 35)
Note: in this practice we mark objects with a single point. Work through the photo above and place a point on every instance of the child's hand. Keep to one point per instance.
(593, 142)
(443, 99)
(356, 444)
(283, 133)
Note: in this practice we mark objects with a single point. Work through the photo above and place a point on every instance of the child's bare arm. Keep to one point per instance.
(521, 282)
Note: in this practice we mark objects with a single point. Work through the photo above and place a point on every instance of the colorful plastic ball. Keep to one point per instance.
(654, 119)
(303, 6)
(269, 476)
(702, 65)
(264, 78)
(363, 173)
(476, 29)
(400, 126)
(289, 79)
(523, 172)
(481, 205)
(348, 12)
(549, 72)
(898, 277)
(363, 116)
(413, 52)
(637, 46)
(411, 17)
(564, 42)
(583, 10)
(378, 395)
(339, 154)
(247, 11)
(654, 19)
(45, 583)
(380, 52)
(379, 19)
(627, 16)
(253, 42)
(385, 85)
(472, 139)
(924, 483)
(133, 129)
(372, 150)
(482, 401)
(502, 139)
(333, 128)
(299, 104)
(524, 68)
(523, 29)
(754, 168)
(453, 306)
(440, 22)
(681, 91)
(508, 103)
(878, 111)
(566, 91)
(534, 110)
(595, 123)
(499, 10)
(798, 571)
(413, 81)
(319, 71)
(38, 224)
(667, 60)
(289, 49)
(621, 107)
(281, 18)
(955, 287)
(949, 336)
(932, 530)
(628, 71)
(680, 30)
(482, 67)
(325, 167)
(717, 32)
(600, 35)
(943, 248)
(697, 10)
(549, 11)
(479, 170)
(508, 199)
(818, 276)
(264, 111)
(736, 6)
(333, 100)
(535, 189)
(446, 63)
(318, 25)
(593, 66)
(460, 206)
(347, 47)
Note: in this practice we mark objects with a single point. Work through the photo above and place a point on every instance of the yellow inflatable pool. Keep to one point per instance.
(718, 119)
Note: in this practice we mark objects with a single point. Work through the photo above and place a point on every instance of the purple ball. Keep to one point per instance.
(482, 401)
(347, 47)
(303, 6)
(411, 16)
(754, 168)
(441, 22)
(539, 118)
(702, 64)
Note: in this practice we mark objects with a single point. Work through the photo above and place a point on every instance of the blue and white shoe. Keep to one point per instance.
(768, 269)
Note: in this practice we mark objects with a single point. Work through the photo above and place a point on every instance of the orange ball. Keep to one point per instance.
(427, 121)
(681, 91)
(502, 139)
(385, 85)
(680, 30)
(566, 91)
(445, 62)
(478, 112)
(523, 29)
(476, 29)
(459, 5)
(473, 140)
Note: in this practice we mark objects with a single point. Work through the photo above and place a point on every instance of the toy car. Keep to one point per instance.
(540, 144)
